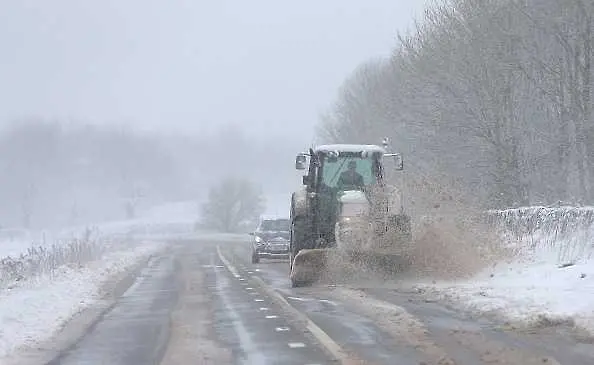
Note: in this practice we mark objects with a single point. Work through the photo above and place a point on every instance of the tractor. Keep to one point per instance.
(360, 218)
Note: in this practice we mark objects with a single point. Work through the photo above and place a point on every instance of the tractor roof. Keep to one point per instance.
(349, 148)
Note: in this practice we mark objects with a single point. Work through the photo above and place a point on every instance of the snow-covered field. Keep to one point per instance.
(35, 309)
(48, 277)
(548, 279)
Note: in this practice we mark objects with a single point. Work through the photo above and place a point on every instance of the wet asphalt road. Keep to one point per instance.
(244, 320)
(235, 307)
(466, 338)
(136, 329)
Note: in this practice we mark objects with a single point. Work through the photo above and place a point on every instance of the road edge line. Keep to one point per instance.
(323, 338)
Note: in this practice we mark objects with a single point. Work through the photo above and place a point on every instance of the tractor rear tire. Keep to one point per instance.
(300, 238)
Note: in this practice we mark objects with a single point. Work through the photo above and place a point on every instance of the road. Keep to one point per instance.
(203, 302)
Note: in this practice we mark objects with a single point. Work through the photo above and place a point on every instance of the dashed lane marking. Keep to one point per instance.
(296, 345)
(298, 299)
(334, 348)
(258, 300)
(264, 309)
(282, 329)
(328, 302)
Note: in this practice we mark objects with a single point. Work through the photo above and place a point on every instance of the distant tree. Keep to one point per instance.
(232, 204)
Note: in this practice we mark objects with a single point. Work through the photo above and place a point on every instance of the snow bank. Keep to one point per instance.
(34, 310)
(549, 279)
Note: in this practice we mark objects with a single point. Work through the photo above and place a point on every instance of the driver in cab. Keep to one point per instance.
(350, 177)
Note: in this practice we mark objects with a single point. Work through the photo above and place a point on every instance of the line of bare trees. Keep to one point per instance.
(489, 97)
(54, 174)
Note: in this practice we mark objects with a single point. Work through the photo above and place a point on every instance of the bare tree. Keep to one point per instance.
(232, 204)
(493, 96)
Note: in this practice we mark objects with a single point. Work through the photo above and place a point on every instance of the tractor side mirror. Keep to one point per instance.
(397, 159)
(300, 162)
(252, 234)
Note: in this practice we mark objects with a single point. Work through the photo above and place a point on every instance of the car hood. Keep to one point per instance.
(268, 235)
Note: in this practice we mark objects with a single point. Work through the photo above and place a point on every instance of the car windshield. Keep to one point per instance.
(334, 168)
(275, 225)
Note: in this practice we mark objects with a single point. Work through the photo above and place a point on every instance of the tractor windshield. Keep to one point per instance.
(333, 169)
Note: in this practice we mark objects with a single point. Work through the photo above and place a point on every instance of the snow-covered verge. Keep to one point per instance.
(43, 288)
(43, 258)
(548, 275)
(47, 278)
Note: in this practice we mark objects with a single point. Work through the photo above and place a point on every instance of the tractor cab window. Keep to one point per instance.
(334, 168)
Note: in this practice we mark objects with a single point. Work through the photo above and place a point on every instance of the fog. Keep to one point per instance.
(180, 94)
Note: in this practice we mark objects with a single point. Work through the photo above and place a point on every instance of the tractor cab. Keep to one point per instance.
(337, 168)
(336, 174)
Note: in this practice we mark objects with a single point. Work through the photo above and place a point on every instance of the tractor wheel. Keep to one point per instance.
(300, 237)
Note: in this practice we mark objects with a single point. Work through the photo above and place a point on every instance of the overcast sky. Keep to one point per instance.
(272, 65)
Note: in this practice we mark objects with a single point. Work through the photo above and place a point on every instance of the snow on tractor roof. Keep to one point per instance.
(350, 148)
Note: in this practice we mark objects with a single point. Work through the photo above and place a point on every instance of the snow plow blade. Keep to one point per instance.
(386, 264)
(308, 266)
(333, 264)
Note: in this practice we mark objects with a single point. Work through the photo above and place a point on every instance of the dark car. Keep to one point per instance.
(271, 239)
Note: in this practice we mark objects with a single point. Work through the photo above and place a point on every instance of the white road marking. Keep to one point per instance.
(328, 301)
(250, 272)
(296, 345)
(299, 299)
(263, 309)
(249, 288)
(334, 348)
(258, 300)
(282, 329)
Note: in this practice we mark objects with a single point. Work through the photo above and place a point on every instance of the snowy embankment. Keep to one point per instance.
(548, 277)
(44, 283)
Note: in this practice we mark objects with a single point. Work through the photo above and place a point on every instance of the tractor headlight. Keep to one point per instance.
(258, 239)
